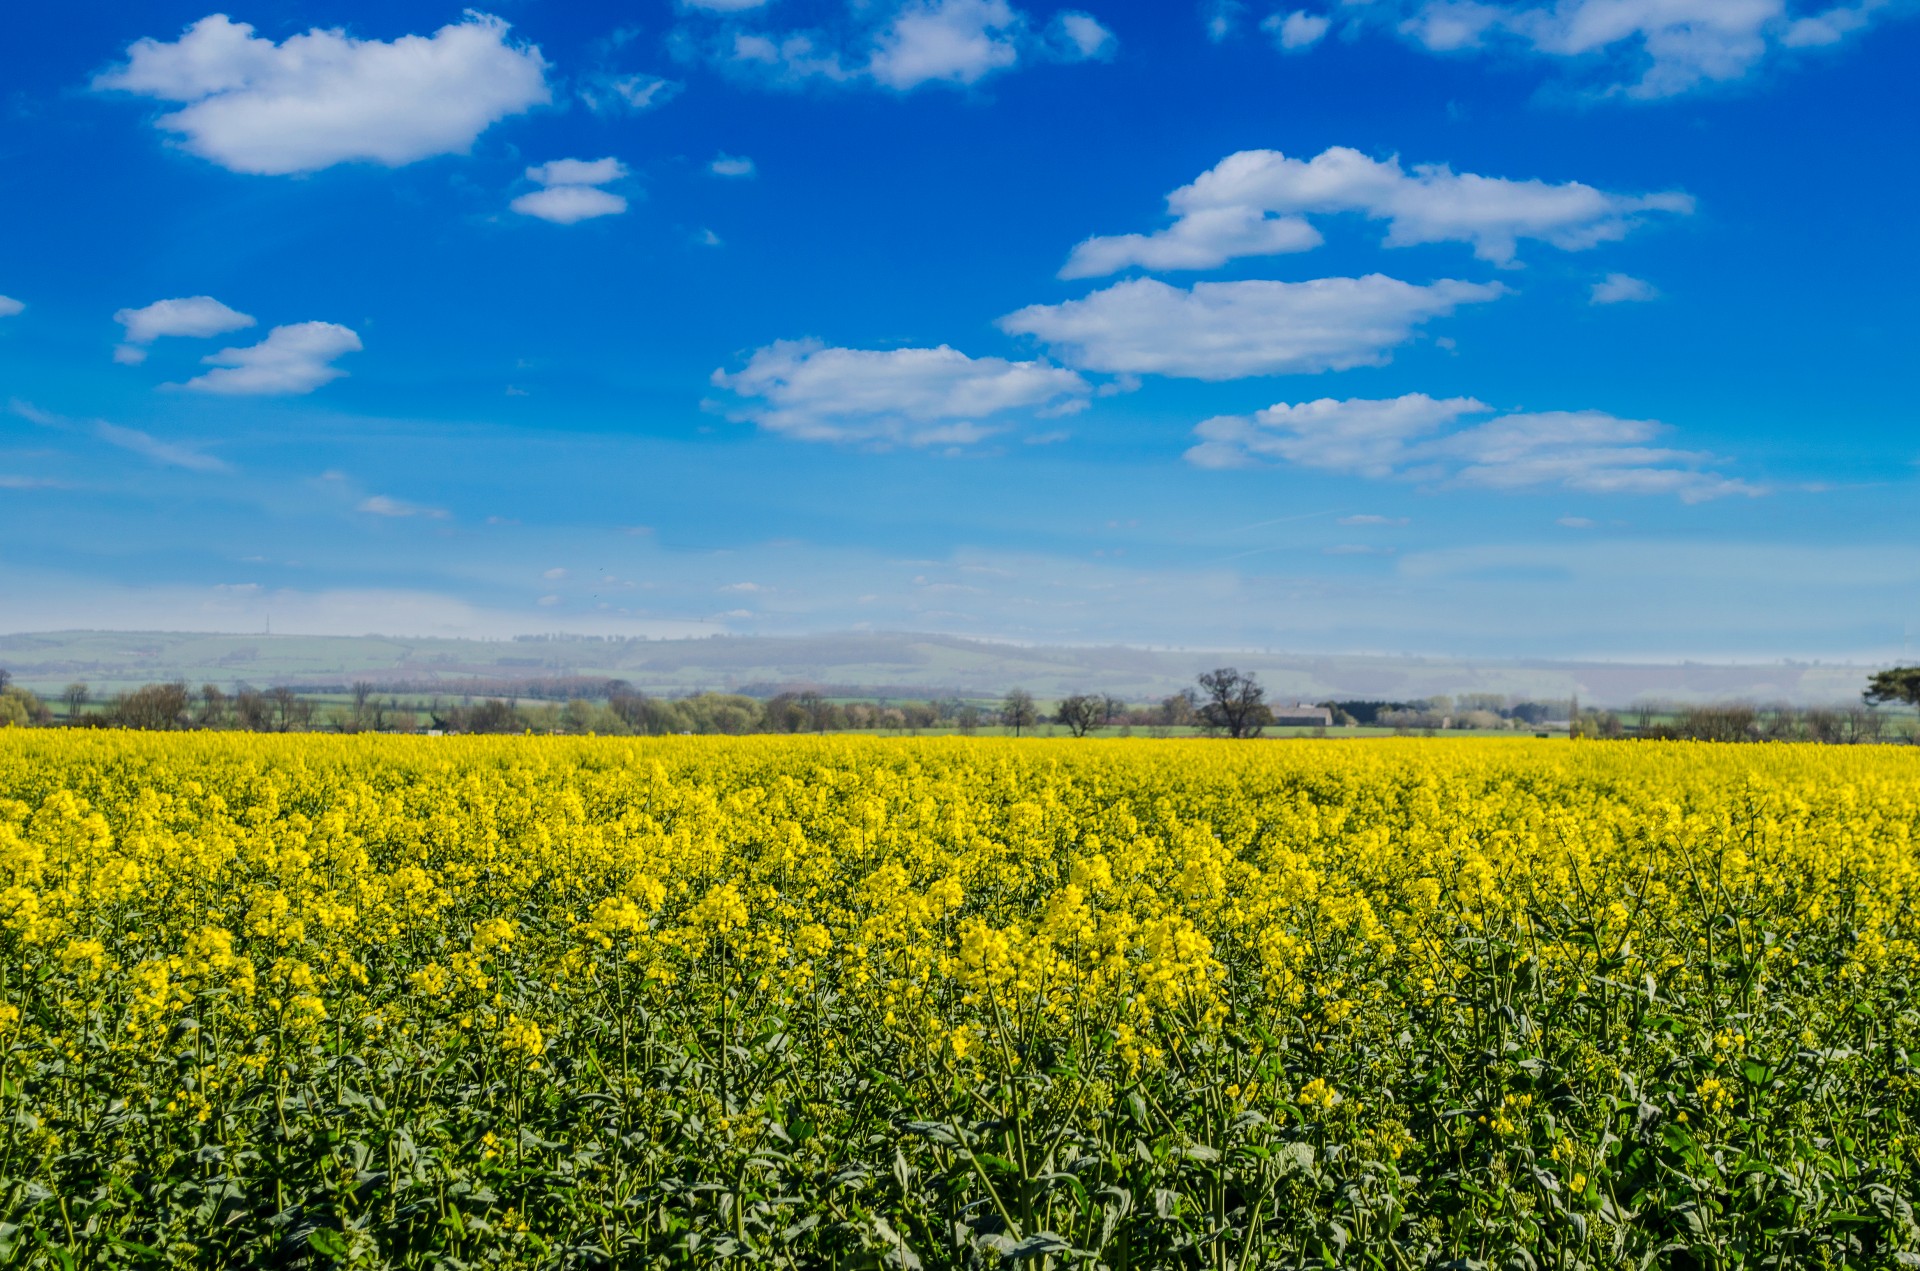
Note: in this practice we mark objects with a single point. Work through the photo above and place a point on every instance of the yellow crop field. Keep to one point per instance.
(319, 1001)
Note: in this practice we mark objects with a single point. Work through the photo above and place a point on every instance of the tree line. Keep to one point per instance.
(1224, 702)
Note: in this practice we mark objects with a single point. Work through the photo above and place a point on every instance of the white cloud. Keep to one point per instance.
(1204, 239)
(1575, 522)
(555, 574)
(902, 44)
(607, 93)
(1223, 19)
(792, 59)
(1368, 438)
(913, 397)
(1832, 26)
(1622, 289)
(1420, 438)
(383, 505)
(731, 165)
(1372, 519)
(724, 6)
(9, 306)
(1227, 330)
(567, 204)
(1081, 37)
(1296, 30)
(1254, 202)
(195, 317)
(950, 41)
(577, 172)
(292, 359)
(166, 453)
(572, 192)
(1645, 48)
(324, 97)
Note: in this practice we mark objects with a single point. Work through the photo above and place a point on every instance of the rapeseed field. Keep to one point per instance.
(545, 1002)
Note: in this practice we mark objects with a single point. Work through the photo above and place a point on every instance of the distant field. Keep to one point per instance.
(869, 665)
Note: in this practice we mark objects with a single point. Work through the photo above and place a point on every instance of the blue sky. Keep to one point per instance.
(1405, 325)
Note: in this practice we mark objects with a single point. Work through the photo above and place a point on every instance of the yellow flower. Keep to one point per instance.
(1317, 1096)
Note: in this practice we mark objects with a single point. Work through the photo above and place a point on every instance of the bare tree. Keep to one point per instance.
(252, 711)
(362, 695)
(1181, 709)
(76, 695)
(293, 710)
(1017, 710)
(1082, 713)
(152, 706)
(213, 706)
(1234, 703)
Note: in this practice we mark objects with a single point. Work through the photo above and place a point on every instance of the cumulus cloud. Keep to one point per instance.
(904, 44)
(572, 190)
(9, 306)
(1255, 202)
(731, 165)
(954, 41)
(292, 359)
(1228, 330)
(1644, 48)
(1203, 239)
(1421, 438)
(568, 204)
(1622, 289)
(195, 317)
(325, 97)
(1296, 30)
(912, 397)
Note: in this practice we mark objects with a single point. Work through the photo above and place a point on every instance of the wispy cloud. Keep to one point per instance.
(166, 453)
(388, 506)
(170, 454)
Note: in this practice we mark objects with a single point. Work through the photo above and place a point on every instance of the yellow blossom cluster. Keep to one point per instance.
(584, 957)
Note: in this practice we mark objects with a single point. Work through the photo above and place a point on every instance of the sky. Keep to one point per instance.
(1481, 327)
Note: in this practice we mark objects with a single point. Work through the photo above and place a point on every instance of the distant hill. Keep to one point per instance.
(899, 665)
